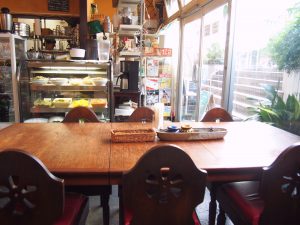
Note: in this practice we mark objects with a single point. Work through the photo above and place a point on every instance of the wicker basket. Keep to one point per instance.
(138, 135)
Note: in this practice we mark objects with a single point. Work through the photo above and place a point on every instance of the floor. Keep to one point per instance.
(95, 214)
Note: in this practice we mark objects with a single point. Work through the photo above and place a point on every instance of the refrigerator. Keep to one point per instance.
(12, 63)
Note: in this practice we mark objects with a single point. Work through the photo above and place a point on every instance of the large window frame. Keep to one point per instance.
(200, 13)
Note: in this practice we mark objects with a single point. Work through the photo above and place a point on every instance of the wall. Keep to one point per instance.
(38, 7)
(105, 7)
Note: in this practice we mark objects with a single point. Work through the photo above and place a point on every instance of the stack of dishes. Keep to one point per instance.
(59, 81)
(39, 80)
(99, 81)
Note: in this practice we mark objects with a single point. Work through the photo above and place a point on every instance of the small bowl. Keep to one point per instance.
(173, 128)
(99, 81)
(77, 53)
(59, 81)
(186, 128)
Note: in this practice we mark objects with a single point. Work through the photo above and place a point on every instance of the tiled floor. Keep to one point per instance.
(95, 214)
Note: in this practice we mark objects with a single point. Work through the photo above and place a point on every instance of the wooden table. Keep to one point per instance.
(83, 154)
(247, 147)
(79, 153)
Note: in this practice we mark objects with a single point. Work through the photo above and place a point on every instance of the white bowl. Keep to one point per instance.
(99, 81)
(59, 81)
(40, 82)
(77, 53)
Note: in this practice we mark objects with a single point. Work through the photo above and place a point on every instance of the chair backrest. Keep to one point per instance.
(79, 114)
(29, 193)
(141, 114)
(280, 189)
(217, 114)
(164, 187)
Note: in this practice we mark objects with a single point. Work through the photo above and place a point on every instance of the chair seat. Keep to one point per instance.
(128, 217)
(243, 199)
(75, 204)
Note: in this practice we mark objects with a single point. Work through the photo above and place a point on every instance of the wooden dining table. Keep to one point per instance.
(83, 153)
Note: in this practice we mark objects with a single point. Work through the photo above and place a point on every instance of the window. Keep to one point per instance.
(252, 67)
(171, 7)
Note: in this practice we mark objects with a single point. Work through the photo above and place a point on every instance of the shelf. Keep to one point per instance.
(67, 88)
(130, 54)
(129, 1)
(54, 37)
(60, 110)
(129, 27)
(79, 64)
(54, 51)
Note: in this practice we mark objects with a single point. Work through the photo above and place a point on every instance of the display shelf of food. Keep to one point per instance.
(34, 87)
(57, 87)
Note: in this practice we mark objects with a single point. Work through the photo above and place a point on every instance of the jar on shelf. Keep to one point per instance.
(107, 25)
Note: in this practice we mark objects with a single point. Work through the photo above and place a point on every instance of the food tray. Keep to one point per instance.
(138, 135)
(195, 134)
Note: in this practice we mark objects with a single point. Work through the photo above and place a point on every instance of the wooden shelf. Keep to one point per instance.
(61, 110)
(35, 87)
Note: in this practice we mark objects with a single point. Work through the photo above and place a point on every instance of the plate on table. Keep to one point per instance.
(194, 134)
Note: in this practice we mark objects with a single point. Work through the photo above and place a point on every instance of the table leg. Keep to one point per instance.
(212, 204)
(121, 207)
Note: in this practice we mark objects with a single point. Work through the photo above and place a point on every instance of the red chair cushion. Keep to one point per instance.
(244, 198)
(128, 217)
(74, 204)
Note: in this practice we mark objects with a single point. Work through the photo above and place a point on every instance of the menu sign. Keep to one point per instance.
(58, 5)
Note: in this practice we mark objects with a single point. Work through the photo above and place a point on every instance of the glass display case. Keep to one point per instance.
(56, 87)
(12, 56)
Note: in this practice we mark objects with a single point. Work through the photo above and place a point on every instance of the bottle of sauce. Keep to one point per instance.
(107, 25)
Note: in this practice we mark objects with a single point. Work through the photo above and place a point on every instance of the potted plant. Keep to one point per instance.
(279, 113)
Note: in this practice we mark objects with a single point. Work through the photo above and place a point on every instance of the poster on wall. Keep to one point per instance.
(165, 83)
(165, 96)
(152, 67)
(152, 83)
(152, 97)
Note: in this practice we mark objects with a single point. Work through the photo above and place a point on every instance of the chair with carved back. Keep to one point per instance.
(85, 114)
(31, 195)
(142, 114)
(273, 200)
(164, 187)
(215, 114)
(79, 114)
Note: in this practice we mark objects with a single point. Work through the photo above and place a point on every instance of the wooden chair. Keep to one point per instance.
(142, 114)
(104, 191)
(274, 200)
(31, 195)
(215, 114)
(164, 187)
(79, 114)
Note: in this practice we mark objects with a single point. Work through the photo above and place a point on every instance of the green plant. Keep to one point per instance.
(277, 112)
(214, 54)
(285, 48)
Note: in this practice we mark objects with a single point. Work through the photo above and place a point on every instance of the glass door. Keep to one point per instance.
(190, 59)
(202, 60)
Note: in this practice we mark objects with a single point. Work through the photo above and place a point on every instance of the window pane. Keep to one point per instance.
(252, 64)
(213, 50)
(185, 2)
(190, 64)
(171, 6)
